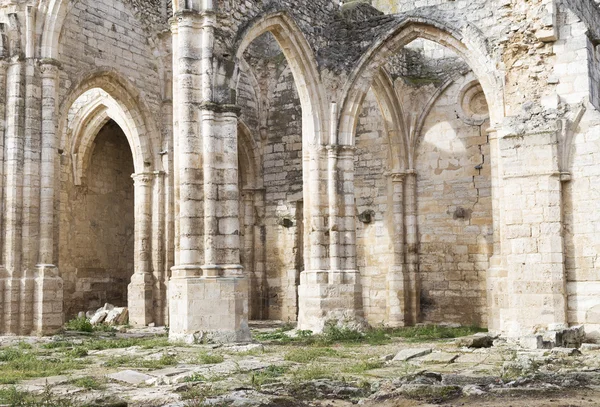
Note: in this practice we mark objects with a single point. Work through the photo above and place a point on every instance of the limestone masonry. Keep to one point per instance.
(364, 163)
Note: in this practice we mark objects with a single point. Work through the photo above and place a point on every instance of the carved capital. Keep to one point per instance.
(221, 108)
(143, 179)
(398, 176)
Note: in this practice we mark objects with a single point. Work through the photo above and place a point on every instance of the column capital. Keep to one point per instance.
(193, 18)
(221, 108)
(144, 178)
(49, 65)
(340, 149)
(397, 176)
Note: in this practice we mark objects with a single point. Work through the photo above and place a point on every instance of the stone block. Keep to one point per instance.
(408, 354)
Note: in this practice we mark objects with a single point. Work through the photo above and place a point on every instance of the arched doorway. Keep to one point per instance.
(285, 122)
(106, 204)
(97, 225)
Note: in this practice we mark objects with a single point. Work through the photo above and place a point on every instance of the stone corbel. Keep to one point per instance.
(567, 126)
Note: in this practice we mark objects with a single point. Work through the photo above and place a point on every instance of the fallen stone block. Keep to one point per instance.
(476, 341)
(99, 317)
(565, 351)
(532, 342)
(408, 354)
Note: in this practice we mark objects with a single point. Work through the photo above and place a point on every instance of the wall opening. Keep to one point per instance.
(271, 108)
(97, 224)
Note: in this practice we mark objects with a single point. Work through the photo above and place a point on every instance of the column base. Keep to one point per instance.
(330, 298)
(140, 300)
(48, 314)
(208, 308)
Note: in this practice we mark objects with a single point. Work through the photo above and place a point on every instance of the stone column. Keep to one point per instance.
(13, 193)
(48, 301)
(188, 178)
(497, 276)
(396, 280)
(335, 295)
(248, 245)
(531, 230)
(413, 289)
(3, 271)
(140, 290)
(208, 290)
(159, 303)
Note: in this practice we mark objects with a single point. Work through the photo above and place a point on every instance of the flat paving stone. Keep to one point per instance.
(408, 354)
(439, 358)
(130, 376)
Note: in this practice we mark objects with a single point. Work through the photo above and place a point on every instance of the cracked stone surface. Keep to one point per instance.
(150, 371)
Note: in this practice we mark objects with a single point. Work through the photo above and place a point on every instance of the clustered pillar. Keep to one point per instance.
(332, 295)
(208, 287)
(48, 301)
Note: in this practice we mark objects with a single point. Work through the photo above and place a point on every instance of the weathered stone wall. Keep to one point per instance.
(574, 52)
(455, 219)
(107, 35)
(374, 239)
(97, 224)
(283, 190)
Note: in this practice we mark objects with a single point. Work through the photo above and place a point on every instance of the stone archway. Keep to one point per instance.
(404, 131)
(92, 123)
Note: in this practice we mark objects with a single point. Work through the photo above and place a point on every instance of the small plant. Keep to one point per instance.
(312, 372)
(205, 358)
(78, 352)
(89, 383)
(81, 324)
(132, 361)
(103, 327)
(18, 398)
(363, 366)
(267, 375)
(309, 355)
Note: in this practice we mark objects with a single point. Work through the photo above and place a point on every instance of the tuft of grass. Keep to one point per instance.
(20, 364)
(363, 366)
(80, 324)
(309, 355)
(14, 397)
(90, 383)
(267, 375)
(132, 361)
(312, 372)
(205, 358)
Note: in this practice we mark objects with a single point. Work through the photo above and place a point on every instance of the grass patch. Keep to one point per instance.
(120, 343)
(205, 358)
(312, 372)
(17, 398)
(80, 324)
(433, 332)
(90, 383)
(309, 355)
(364, 366)
(135, 361)
(267, 375)
(333, 334)
(18, 364)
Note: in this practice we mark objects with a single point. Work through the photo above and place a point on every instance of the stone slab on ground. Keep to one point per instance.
(439, 358)
(130, 376)
(408, 354)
